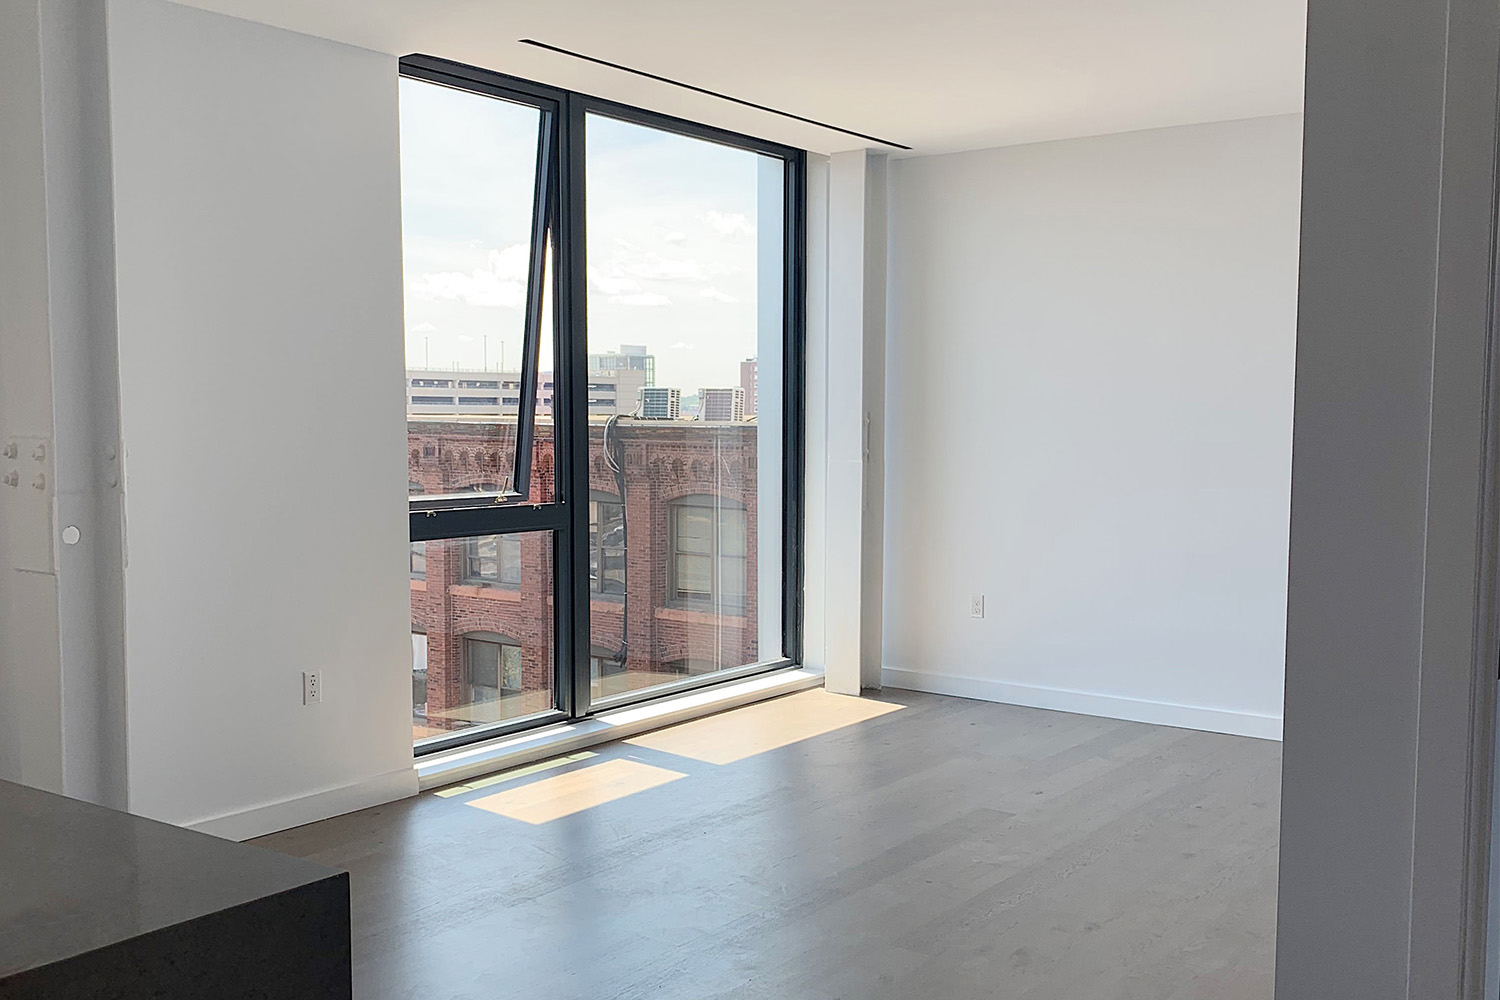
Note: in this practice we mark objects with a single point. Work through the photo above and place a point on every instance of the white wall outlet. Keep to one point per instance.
(976, 605)
(312, 687)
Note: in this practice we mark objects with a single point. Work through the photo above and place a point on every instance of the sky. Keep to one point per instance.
(672, 237)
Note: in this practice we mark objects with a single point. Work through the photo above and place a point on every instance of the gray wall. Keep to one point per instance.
(30, 672)
(1390, 663)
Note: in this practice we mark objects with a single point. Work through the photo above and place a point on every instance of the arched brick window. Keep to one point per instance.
(492, 667)
(606, 543)
(708, 553)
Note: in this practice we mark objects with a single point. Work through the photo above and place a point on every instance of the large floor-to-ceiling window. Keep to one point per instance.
(603, 351)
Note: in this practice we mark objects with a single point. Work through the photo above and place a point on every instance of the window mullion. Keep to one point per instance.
(574, 610)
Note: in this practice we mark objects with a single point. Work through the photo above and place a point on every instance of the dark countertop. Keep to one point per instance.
(75, 877)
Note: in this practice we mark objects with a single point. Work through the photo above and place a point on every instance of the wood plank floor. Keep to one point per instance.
(947, 850)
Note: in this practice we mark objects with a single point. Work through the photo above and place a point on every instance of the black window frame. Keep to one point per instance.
(558, 220)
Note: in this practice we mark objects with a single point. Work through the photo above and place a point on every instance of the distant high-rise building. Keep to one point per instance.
(727, 404)
(660, 403)
(750, 382)
(630, 357)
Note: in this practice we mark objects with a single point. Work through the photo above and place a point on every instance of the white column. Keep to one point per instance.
(855, 395)
(61, 651)
(30, 674)
(85, 399)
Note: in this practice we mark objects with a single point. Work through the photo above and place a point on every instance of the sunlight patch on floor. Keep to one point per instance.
(552, 798)
(744, 732)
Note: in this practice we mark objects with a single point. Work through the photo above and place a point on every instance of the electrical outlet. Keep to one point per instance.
(312, 687)
(976, 605)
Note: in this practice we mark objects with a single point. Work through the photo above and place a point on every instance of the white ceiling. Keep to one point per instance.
(938, 75)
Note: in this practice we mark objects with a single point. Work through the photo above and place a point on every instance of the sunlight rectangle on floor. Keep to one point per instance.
(744, 732)
(553, 798)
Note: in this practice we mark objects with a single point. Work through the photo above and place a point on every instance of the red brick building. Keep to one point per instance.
(672, 545)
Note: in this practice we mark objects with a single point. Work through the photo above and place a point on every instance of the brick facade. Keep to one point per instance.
(664, 461)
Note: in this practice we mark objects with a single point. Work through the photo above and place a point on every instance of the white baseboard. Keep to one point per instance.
(486, 758)
(1213, 720)
(271, 817)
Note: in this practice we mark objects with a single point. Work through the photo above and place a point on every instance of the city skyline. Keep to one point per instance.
(496, 390)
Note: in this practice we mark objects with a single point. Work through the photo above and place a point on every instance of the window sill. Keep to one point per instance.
(487, 592)
(507, 752)
(705, 615)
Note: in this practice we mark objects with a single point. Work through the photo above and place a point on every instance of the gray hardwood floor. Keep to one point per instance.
(951, 850)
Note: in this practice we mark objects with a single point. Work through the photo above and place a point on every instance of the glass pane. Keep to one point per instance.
(468, 170)
(612, 548)
(482, 670)
(510, 559)
(732, 533)
(594, 554)
(511, 678)
(485, 653)
(685, 264)
(695, 576)
(732, 579)
(418, 674)
(606, 546)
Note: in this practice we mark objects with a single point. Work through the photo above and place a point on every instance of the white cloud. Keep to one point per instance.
(641, 299)
(681, 346)
(717, 296)
(627, 259)
(502, 282)
(611, 284)
(675, 236)
(729, 223)
(622, 276)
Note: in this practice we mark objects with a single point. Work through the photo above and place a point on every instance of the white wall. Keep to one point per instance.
(257, 212)
(1089, 422)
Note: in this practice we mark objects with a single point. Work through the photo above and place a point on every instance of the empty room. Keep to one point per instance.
(975, 499)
